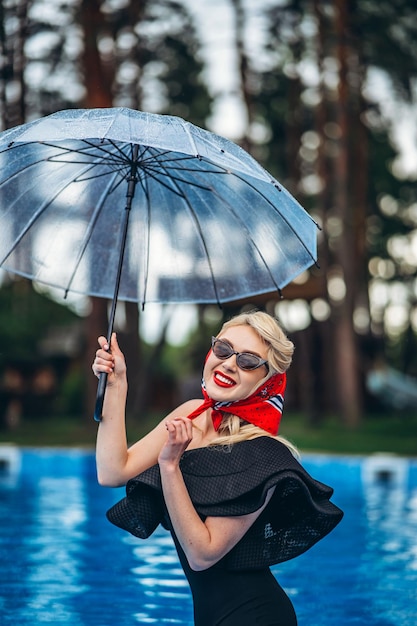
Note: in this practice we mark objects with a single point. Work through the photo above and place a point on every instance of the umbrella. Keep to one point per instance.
(118, 203)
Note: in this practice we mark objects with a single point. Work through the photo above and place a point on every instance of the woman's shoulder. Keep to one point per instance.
(187, 407)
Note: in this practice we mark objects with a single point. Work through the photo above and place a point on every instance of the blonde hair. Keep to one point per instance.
(280, 350)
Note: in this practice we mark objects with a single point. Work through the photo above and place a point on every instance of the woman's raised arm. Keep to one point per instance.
(116, 463)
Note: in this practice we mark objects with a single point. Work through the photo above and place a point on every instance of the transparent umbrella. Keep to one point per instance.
(123, 204)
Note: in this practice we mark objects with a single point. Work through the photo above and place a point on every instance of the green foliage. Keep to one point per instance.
(71, 396)
(388, 433)
(36, 378)
(387, 30)
(25, 316)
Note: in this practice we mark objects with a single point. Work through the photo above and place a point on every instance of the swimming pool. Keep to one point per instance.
(61, 562)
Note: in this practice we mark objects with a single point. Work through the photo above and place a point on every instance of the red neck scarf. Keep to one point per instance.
(262, 408)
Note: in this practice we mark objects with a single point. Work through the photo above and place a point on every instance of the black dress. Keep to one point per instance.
(224, 597)
(239, 590)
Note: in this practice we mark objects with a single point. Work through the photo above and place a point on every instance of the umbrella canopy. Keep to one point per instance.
(118, 203)
(207, 222)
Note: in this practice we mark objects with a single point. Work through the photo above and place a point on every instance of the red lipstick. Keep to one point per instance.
(222, 380)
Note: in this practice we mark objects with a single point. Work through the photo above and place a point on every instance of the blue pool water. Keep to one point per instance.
(61, 562)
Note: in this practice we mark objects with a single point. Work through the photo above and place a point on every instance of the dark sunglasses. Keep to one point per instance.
(245, 360)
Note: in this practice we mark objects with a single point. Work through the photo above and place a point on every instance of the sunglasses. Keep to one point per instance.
(245, 360)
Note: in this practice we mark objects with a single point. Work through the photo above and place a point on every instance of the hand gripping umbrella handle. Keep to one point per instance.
(102, 381)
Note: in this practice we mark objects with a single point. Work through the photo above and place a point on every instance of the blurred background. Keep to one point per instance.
(323, 95)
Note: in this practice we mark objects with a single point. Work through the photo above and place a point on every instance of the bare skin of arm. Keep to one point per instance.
(204, 543)
(116, 463)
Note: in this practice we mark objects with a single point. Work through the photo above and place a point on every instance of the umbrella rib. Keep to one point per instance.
(122, 155)
(51, 159)
(249, 236)
(158, 156)
(196, 222)
(105, 157)
(110, 159)
(88, 235)
(247, 231)
(148, 207)
(43, 207)
(102, 147)
(83, 179)
(153, 173)
(116, 165)
(194, 169)
(153, 153)
(257, 190)
(163, 183)
(125, 158)
(80, 178)
(27, 227)
(22, 169)
(54, 159)
(83, 151)
(155, 157)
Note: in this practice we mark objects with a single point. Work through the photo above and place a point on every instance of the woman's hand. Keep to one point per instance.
(204, 542)
(180, 434)
(109, 359)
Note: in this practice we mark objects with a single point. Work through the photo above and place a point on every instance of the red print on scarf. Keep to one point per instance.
(263, 408)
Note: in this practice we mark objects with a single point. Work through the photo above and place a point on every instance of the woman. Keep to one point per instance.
(216, 474)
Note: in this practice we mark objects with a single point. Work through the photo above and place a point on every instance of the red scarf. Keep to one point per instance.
(262, 408)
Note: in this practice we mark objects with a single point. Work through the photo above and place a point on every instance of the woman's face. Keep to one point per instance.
(224, 380)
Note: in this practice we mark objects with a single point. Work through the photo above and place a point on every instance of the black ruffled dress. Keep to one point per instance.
(226, 481)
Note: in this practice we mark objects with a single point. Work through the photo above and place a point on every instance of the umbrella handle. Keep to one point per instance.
(102, 380)
(101, 388)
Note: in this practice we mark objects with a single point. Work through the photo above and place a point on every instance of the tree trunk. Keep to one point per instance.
(13, 64)
(345, 339)
(98, 77)
(327, 377)
(130, 345)
(243, 68)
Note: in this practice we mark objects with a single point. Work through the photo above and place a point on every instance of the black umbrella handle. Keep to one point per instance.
(101, 389)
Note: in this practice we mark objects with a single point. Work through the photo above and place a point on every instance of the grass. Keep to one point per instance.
(393, 434)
